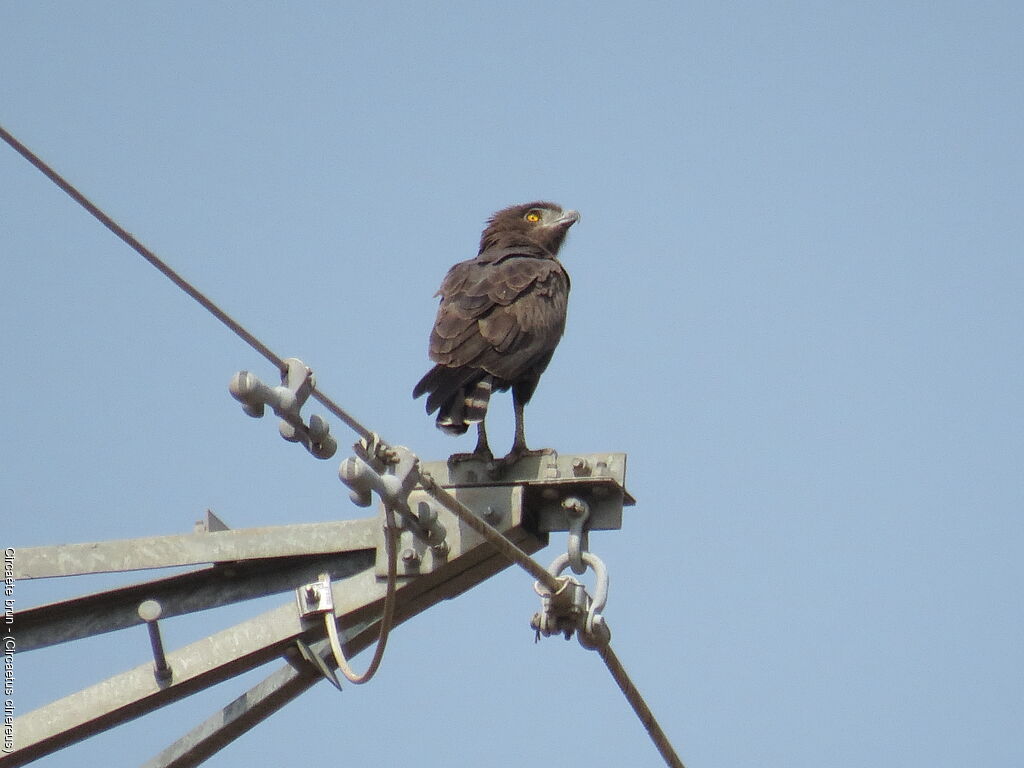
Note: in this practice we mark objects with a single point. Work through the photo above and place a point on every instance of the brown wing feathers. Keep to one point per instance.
(500, 318)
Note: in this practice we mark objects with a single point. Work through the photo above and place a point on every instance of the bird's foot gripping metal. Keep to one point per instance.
(286, 400)
(570, 609)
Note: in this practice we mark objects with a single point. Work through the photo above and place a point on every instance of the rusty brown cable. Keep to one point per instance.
(643, 712)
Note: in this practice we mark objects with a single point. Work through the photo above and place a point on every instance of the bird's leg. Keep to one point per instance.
(482, 452)
(519, 449)
(519, 444)
(482, 448)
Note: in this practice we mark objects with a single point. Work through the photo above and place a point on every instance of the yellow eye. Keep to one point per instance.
(533, 217)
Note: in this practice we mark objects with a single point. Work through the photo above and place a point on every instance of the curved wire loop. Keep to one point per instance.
(387, 617)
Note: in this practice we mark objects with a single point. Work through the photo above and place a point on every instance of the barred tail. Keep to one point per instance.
(466, 406)
(477, 400)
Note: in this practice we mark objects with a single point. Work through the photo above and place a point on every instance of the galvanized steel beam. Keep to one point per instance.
(193, 549)
(525, 505)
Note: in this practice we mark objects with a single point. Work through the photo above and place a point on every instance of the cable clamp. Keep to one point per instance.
(297, 382)
(392, 472)
(569, 609)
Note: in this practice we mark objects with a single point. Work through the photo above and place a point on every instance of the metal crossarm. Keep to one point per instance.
(235, 565)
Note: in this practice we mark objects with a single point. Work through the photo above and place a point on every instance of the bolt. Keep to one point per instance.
(427, 514)
(150, 611)
(574, 506)
(581, 466)
(410, 558)
(440, 550)
(491, 515)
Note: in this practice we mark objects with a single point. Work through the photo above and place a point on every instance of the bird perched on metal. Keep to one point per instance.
(501, 316)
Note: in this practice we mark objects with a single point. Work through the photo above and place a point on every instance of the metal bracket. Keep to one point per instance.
(548, 493)
(286, 400)
(598, 479)
(579, 537)
(315, 598)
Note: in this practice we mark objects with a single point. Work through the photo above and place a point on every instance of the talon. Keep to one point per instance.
(485, 457)
(522, 453)
(496, 467)
(535, 452)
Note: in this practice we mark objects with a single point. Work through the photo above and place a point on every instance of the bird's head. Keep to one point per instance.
(543, 223)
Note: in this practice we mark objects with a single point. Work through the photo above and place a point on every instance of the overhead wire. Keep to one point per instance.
(636, 701)
(492, 535)
(172, 275)
(141, 249)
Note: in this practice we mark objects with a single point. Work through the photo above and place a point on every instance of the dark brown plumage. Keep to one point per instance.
(501, 316)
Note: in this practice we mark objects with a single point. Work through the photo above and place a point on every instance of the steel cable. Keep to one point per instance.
(142, 250)
(643, 712)
(173, 276)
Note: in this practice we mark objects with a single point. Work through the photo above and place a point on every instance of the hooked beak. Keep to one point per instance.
(567, 219)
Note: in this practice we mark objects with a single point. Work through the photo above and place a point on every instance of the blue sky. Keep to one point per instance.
(796, 305)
